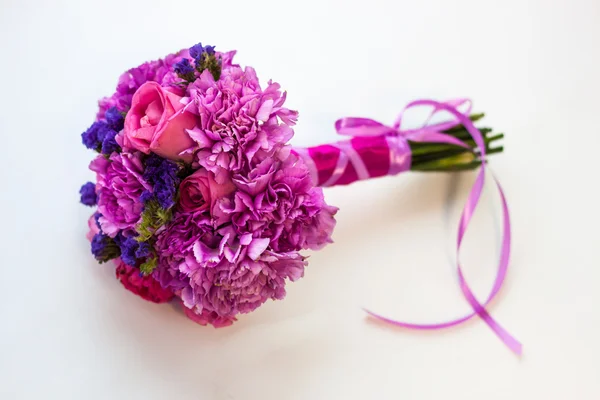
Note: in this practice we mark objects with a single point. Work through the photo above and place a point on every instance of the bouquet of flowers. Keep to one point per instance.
(201, 199)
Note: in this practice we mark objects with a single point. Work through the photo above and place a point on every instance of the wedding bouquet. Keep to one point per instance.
(200, 197)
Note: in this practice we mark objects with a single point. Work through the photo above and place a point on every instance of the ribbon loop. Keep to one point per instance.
(352, 126)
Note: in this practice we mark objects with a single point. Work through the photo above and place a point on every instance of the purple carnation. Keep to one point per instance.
(160, 71)
(277, 200)
(220, 272)
(88, 194)
(120, 185)
(238, 119)
(176, 242)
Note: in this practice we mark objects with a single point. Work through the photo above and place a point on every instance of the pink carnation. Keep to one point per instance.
(119, 186)
(237, 119)
(206, 317)
(277, 200)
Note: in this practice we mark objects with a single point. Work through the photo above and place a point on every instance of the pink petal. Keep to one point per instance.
(265, 110)
(257, 247)
(199, 137)
(246, 239)
(205, 254)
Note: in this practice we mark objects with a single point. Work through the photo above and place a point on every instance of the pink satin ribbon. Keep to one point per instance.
(354, 161)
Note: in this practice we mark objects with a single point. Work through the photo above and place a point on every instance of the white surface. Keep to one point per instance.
(69, 331)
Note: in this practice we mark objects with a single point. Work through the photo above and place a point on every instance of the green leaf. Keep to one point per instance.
(149, 266)
(153, 217)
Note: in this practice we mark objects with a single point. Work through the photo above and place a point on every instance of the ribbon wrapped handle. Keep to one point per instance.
(375, 149)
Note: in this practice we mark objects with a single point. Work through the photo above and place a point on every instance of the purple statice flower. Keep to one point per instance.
(120, 185)
(276, 199)
(103, 131)
(238, 120)
(184, 69)
(196, 51)
(210, 50)
(146, 196)
(90, 137)
(104, 247)
(88, 194)
(114, 118)
(132, 251)
(220, 273)
(107, 138)
(162, 175)
(204, 59)
(101, 137)
(128, 246)
(109, 142)
(144, 250)
(160, 71)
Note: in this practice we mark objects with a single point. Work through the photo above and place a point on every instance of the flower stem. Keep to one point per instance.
(448, 157)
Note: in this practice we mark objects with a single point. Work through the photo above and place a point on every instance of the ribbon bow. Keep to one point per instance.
(366, 127)
(434, 133)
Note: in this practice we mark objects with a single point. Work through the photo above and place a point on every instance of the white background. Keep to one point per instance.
(68, 330)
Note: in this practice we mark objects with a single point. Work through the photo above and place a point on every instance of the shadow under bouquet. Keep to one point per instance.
(201, 199)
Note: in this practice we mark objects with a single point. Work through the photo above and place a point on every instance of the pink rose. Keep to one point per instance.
(200, 191)
(156, 123)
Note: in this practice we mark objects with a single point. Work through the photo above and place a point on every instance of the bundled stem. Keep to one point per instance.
(430, 157)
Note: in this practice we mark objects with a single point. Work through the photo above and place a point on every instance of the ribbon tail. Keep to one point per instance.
(468, 210)
(478, 309)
